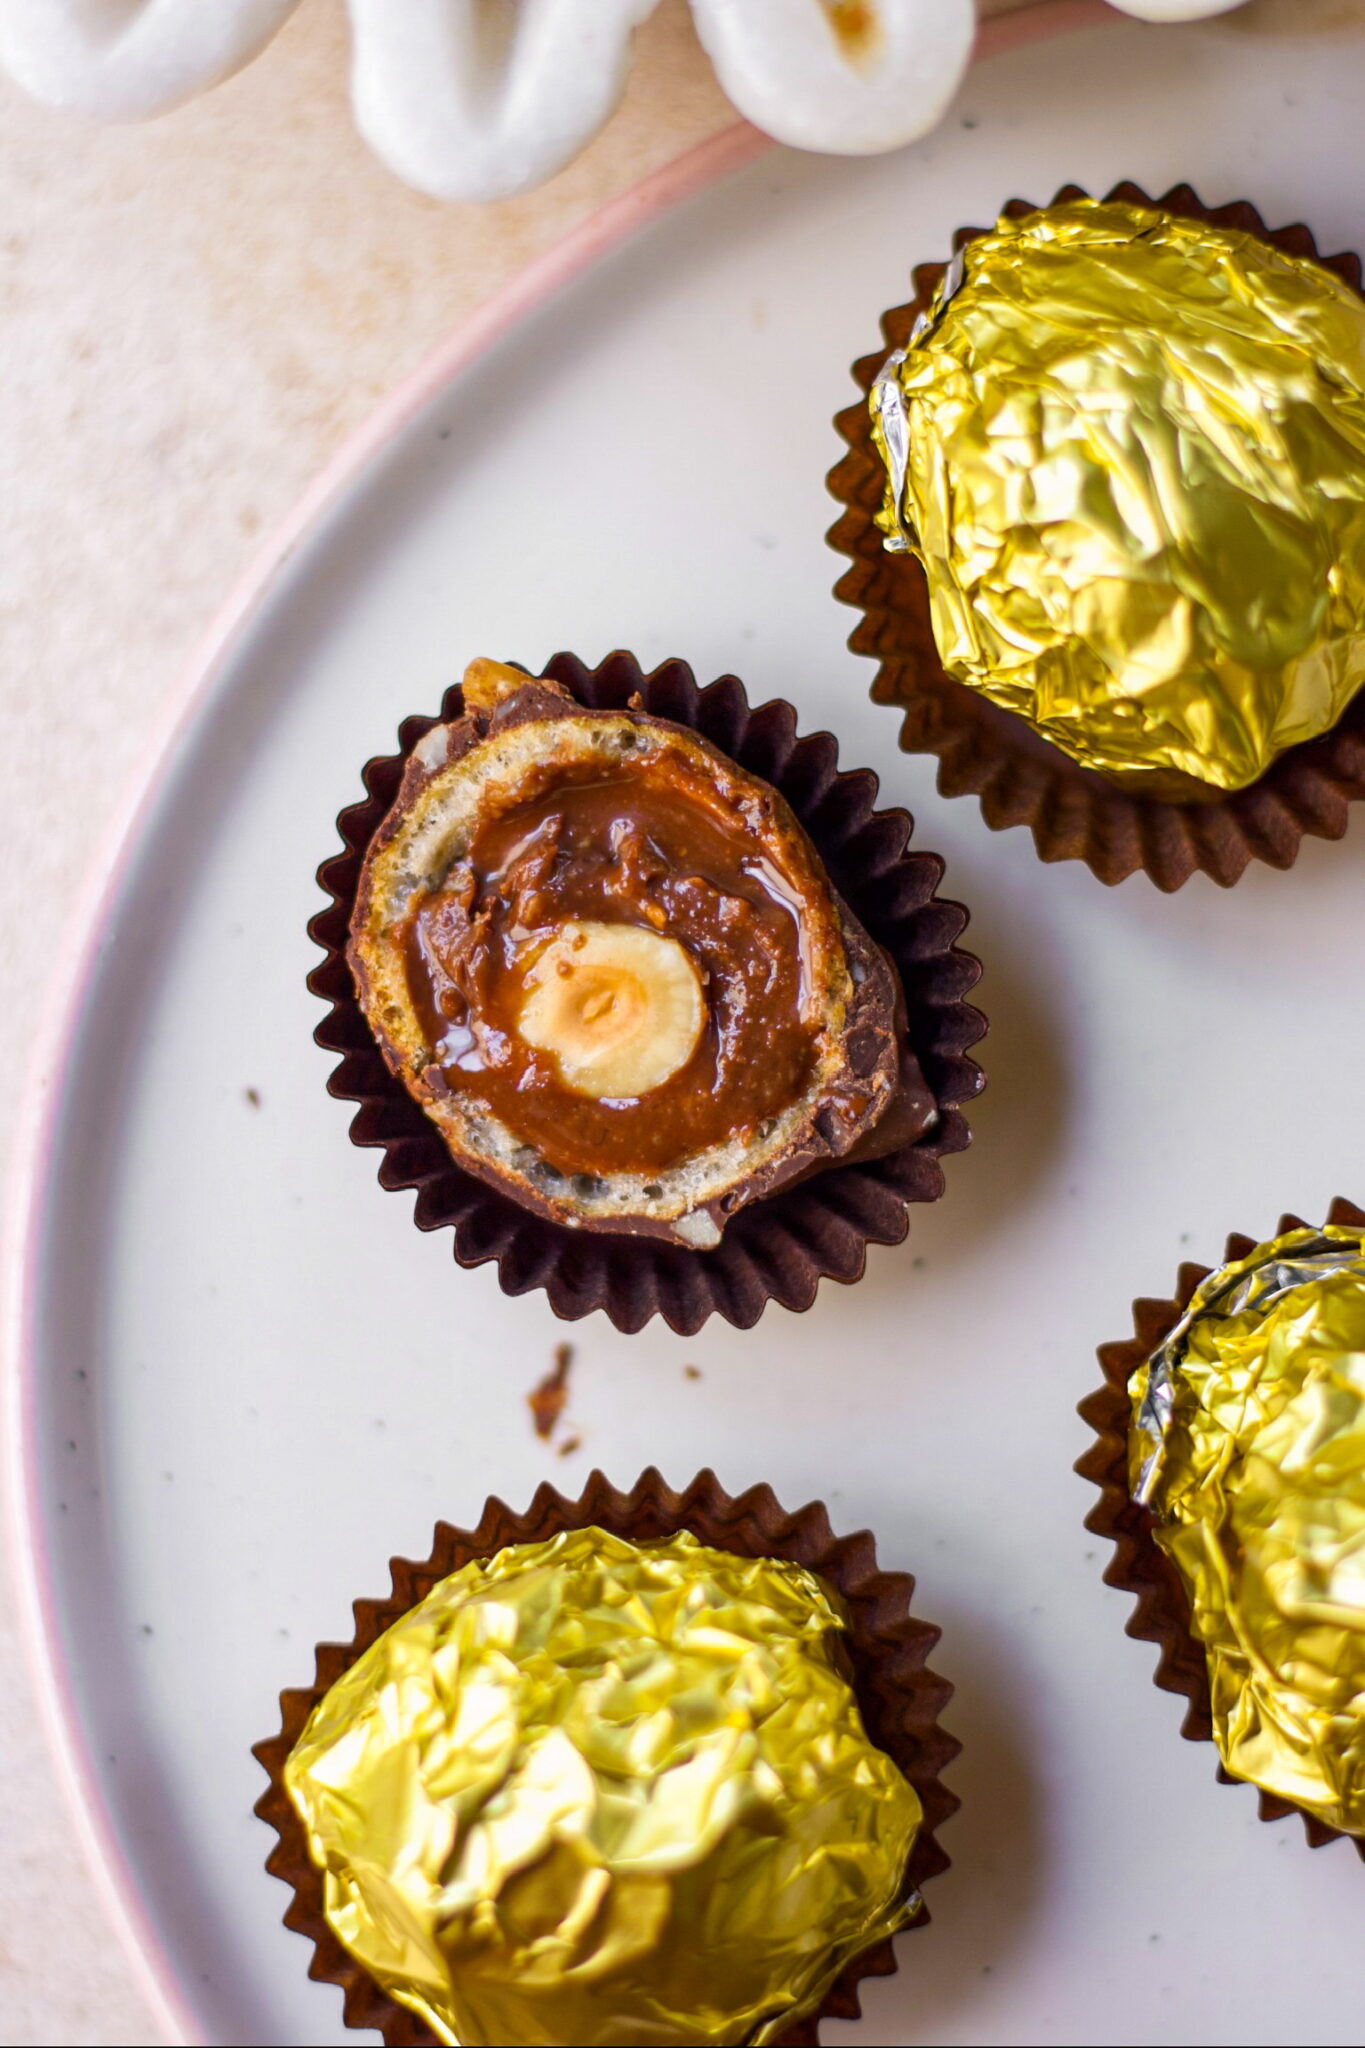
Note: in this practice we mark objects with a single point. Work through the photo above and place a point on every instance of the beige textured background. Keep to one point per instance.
(192, 317)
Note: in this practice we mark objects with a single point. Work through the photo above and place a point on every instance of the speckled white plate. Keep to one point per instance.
(243, 1378)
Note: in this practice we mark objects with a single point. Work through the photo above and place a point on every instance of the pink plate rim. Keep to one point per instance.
(32, 1161)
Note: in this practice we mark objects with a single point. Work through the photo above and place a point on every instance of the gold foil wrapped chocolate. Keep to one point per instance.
(596, 1791)
(1248, 1446)
(1129, 450)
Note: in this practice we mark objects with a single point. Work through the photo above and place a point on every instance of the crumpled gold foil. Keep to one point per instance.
(1129, 450)
(1248, 1445)
(594, 1791)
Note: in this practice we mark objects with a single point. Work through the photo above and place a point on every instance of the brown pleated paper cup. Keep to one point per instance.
(899, 1697)
(777, 1249)
(1139, 1566)
(1074, 813)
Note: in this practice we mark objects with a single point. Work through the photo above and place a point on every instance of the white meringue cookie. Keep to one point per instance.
(478, 99)
(849, 79)
(1176, 10)
(123, 60)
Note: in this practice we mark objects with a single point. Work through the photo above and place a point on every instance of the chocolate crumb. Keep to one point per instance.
(253, 1096)
(570, 1445)
(692, 1372)
(547, 1401)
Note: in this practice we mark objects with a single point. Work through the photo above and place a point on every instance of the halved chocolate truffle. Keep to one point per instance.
(609, 964)
(819, 1225)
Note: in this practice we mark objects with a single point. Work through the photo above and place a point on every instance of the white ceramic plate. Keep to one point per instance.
(246, 1380)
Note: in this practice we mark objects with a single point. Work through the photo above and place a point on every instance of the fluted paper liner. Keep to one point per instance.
(1139, 1566)
(1074, 813)
(777, 1249)
(899, 1697)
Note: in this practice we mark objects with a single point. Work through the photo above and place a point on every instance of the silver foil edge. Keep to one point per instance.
(889, 400)
(1232, 1295)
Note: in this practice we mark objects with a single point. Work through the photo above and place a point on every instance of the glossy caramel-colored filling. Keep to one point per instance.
(649, 843)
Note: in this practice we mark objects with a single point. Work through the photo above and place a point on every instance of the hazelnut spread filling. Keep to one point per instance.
(617, 966)
(609, 965)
